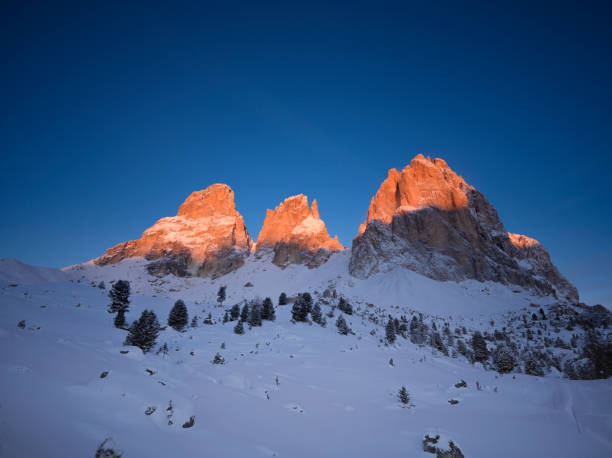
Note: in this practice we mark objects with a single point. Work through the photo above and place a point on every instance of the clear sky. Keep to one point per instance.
(112, 114)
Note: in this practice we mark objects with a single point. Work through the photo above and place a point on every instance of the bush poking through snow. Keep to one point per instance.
(218, 359)
(107, 450)
(178, 317)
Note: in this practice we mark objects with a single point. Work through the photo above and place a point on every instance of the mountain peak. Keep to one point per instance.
(207, 236)
(295, 232)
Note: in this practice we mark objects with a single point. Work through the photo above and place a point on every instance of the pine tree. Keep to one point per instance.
(226, 317)
(244, 314)
(503, 359)
(317, 315)
(234, 312)
(390, 331)
(268, 312)
(342, 326)
(479, 347)
(178, 317)
(255, 315)
(144, 331)
(208, 319)
(239, 328)
(436, 342)
(403, 396)
(344, 306)
(218, 359)
(221, 295)
(120, 319)
(194, 321)
(120, 297)
(282, 299)
(302, 307)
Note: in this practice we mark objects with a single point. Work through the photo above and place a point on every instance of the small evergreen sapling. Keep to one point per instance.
(344, 306)
(282, 299)
(234, 312)
(239, 328)
(244, 314)
(403, 396)
(178, 317)
(221, 295)
(317, 315)
(342, 326)
(390, 331)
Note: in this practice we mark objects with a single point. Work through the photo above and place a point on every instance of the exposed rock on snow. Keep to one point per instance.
(295, 234)
(427, 219)
(207, 237)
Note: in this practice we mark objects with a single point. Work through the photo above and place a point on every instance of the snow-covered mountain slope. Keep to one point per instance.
(286, 389)
(398, 287)
(13, 271)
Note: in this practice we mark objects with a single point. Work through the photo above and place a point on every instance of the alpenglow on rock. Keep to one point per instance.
(295, 233)
(207, 238)
(426, 218)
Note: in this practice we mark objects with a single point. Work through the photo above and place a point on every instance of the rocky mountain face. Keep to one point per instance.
(426, 218)
(207, 238)
(295, 234)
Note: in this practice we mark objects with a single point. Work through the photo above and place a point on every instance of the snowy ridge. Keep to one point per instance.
(14, 271)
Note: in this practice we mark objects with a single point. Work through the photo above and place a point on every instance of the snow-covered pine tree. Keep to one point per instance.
(342, 326)
(479, 347)
(208, 319)
(403, 396)
(282, 299)
(317, 315)
(144, 331)
(255, 315)
(344, 306)
(194, 321)
(221, 295)
(178, 317)
(390, 331)
(436, 342)
(244, 314)
(120, 319)
(503, 359)
(234, 312)
(120, 297)
(267, 312)
(239, 328)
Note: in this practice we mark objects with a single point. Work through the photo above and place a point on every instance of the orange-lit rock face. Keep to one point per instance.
(295, 232)
(207, 228)
(423, 183)
(426, 218)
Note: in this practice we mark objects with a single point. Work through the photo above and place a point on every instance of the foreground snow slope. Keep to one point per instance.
(336, 395)
(398, 287)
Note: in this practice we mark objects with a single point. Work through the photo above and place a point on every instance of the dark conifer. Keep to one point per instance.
(143, 332)
(178, 317)
(267, 312)
(221, 295)
(390, 331)
(342, 326)
(120, 296)
(239, 328)
(282, 299)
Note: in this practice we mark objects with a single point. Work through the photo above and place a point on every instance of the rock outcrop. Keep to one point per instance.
(426, 218)
(207, 238)
(295, 233)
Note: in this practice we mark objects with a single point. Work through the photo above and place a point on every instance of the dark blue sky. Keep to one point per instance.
(113, 114)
